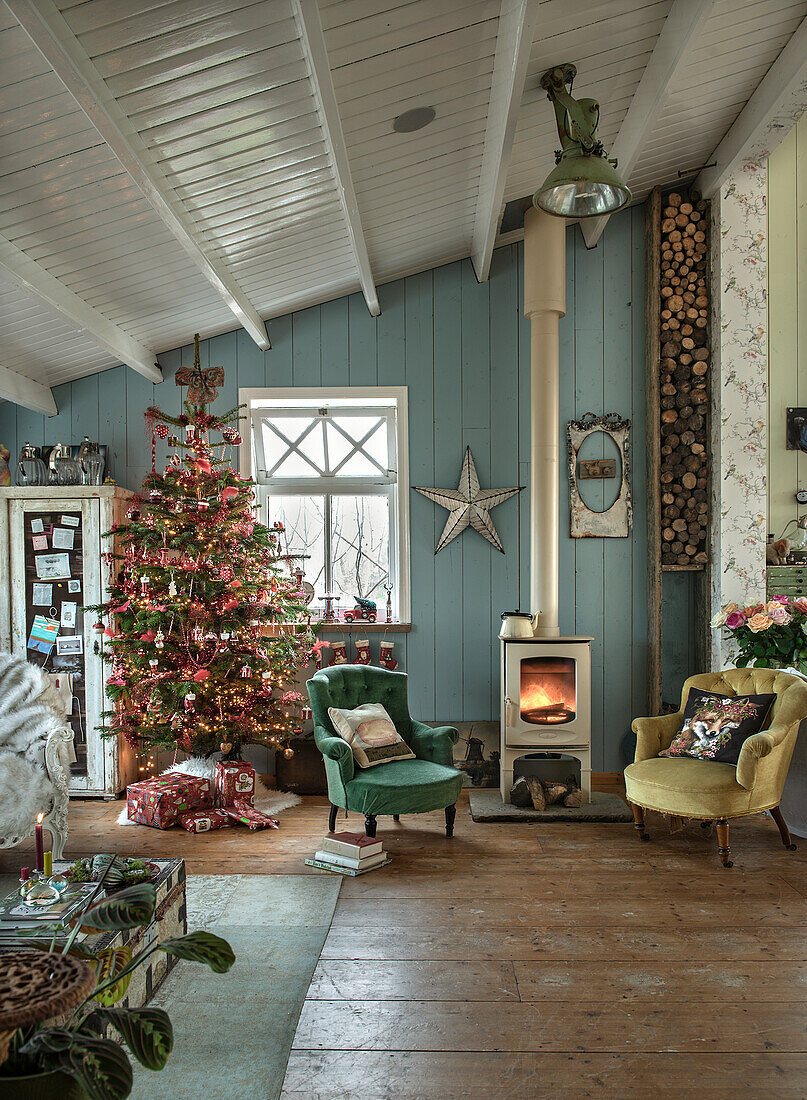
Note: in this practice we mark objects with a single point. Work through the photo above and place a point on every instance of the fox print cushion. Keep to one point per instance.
(371, 734)
(715, 726)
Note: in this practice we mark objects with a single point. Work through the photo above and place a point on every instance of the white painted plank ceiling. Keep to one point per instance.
(217, 100)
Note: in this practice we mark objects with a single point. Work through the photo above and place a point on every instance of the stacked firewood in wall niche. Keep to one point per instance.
(684, 381)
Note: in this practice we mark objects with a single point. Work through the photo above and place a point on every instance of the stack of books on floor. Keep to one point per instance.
(349, 854)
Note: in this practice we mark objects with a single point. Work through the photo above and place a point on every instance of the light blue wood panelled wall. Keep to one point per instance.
(462, 348)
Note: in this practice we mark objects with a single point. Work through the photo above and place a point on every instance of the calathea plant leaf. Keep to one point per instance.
(202, 947)
(129, 908)
(146, 1031)
(99, 1065)
(112, 960)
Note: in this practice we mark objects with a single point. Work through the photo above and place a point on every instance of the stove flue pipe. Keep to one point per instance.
(544, 304)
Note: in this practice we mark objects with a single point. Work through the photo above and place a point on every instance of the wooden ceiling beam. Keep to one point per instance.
(775, 106)
(25, 391)
(306, 14)
(517, 21)
(48, 31)
(684, 22)
(40, 284)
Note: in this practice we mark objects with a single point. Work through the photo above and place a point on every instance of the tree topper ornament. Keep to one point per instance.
(468, 504)
(201, 383)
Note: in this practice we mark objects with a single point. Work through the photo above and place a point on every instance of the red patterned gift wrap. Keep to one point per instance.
(204, 821)
(242, 813)
(159, 802)
(234, 781)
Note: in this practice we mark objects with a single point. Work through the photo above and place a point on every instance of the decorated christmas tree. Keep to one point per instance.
(202, 626)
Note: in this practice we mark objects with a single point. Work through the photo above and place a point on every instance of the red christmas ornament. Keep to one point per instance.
(201, 675)
(229, 492)
(161, 430)
(203, 466)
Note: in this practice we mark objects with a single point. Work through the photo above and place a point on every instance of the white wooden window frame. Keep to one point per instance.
(392, 404)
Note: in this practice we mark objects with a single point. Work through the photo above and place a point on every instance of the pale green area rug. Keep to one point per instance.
(233, 1032)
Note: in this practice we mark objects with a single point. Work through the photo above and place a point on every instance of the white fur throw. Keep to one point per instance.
(29, 710)
(268, 802)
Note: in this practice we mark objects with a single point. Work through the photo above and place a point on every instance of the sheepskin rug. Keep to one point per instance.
(30, 708)
(267, 801)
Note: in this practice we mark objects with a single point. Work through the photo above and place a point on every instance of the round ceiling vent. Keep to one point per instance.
(413, 120)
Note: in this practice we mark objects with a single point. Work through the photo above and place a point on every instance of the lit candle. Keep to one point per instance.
(40, 843)
(48, 864)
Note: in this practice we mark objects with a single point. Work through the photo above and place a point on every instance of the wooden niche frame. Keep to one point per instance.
(614, 522)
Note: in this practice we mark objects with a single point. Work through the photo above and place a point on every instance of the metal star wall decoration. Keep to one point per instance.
(468, 504)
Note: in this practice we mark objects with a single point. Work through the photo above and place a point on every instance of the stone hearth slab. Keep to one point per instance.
(487, 805)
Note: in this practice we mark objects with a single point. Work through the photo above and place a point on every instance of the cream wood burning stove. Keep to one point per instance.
(546, 702)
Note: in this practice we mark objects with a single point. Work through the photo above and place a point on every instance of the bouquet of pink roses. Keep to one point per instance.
(768, 635)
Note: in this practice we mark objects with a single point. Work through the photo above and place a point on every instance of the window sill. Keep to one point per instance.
(360, 627)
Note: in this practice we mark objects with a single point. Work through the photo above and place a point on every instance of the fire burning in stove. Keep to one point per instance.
(548, 690)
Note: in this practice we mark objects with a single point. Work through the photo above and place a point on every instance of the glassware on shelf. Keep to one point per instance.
(91, 462)
(59, 882)
(31, 470)
(41, 893)
(63, 468)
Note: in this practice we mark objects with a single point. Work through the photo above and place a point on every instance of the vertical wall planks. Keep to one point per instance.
(521, 424)
(391, 342)
(336, 356)
(84, 408)
(449, 585)
(618, 397)
(362, 336)
(504, 313)
(55, 429)
(463, 351)
(278, 362)
(112, 421)
(222, 353)
(306, 348)
(568, 368)
(639, 416)
(477, 553)
(249, 362)
(8, 435)
(139, 395)
(419, 292)
(590, 397)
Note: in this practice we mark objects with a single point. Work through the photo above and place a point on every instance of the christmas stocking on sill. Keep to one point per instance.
(339, 654)
(362, 651)
(386, 660)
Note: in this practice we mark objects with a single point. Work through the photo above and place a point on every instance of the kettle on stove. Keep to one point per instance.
(518, 624)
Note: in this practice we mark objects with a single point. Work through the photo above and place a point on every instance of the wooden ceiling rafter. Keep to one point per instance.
(516, 31)
(52, 37)
(31, 277)
(779, 97)
(307, 15)
(682, 27)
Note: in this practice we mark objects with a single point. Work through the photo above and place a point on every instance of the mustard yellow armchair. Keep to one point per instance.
(708, 791)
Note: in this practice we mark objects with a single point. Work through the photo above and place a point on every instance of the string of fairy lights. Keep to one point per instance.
(203, 631)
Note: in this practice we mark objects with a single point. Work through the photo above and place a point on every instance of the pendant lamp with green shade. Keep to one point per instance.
(584, 183)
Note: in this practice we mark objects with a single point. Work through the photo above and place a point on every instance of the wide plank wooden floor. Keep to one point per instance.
(529, 960)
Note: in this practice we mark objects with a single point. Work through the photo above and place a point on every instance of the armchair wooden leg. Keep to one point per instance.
(332, 819)
(784, 832)
(396, 817)
(451, 813)
(638, 821)
(723, 842)
(370, 825)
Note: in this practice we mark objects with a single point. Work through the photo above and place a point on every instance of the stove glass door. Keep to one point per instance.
(548, 690)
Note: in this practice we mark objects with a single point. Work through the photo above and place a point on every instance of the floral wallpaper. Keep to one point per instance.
(739, 393)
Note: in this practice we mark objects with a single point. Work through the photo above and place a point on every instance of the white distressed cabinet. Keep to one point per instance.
(51, 545)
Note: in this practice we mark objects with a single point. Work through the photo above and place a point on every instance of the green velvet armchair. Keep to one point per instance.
(429, 782)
